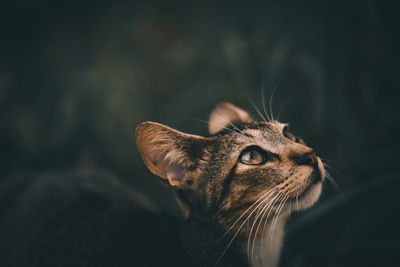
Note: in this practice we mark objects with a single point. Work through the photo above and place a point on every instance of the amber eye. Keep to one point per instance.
(253, 156)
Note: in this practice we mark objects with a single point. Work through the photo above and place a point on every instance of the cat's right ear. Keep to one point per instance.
(168, 153)
(224, 114)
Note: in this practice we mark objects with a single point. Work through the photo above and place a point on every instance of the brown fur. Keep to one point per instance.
(212, 185)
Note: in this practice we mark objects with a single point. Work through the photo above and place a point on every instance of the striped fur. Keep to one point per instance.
(212, 185)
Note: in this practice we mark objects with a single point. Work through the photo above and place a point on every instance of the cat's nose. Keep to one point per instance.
(308, 158)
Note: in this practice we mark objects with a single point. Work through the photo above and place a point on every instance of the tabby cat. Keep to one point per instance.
(237, 187)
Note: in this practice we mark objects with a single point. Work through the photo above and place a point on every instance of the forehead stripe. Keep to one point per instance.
(226, 183)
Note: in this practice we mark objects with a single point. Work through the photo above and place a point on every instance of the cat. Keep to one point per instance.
(235, 188)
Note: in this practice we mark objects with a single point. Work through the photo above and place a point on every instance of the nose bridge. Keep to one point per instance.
(296, 150)
(302, 155)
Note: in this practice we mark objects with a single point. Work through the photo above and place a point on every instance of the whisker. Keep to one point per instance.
(330, 179)
(263, 103)
(277, 198)
(328, 174)
(244, 213)
(256, 219)
(328, 161)
(280, 207)
(332, 168)
(247, 218)
(276, 217)
(264, 211)
(255, 234)
(329, 164)
(257, 110)
(234, 126)
(271, 98)
(254, 238)
(222, 126)
(238, 131)
(281, 109)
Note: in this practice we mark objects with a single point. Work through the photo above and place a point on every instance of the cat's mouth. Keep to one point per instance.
(311, 193)
(315, 180)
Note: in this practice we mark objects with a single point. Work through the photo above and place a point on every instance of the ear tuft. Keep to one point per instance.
(224, 114)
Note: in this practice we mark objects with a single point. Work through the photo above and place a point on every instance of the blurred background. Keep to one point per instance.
(76, 77)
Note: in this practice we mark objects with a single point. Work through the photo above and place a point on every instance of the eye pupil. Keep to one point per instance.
(297, 139)
(253, 156)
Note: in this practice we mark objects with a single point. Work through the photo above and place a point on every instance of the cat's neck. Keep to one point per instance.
(267, 250)
(203, 242)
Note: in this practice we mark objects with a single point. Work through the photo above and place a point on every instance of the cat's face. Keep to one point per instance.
(243, 170)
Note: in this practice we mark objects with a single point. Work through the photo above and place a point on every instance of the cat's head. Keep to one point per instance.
(244, 166)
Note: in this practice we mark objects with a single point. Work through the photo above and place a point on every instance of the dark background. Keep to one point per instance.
(76, 77)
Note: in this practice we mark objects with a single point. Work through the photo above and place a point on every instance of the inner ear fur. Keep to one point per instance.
(168, 153)
(224, 114)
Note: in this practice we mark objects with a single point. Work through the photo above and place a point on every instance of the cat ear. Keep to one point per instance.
(168, 153)
(224, 114)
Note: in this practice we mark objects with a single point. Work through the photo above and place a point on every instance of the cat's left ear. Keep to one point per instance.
(224, 114)
(168, 153)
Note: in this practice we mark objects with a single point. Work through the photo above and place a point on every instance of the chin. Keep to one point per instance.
(309, 198)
